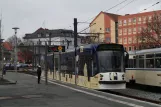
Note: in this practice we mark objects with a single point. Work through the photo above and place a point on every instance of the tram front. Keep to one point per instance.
(111, 62)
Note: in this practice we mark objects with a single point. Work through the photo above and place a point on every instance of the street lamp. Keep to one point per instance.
(15, 29)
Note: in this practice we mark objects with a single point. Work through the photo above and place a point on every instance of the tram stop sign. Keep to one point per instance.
(56, 49)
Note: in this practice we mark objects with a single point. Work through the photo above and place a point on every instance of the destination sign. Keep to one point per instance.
(104, 47)
(56, 49)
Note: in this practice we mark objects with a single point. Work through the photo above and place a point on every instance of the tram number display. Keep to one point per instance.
(103, 47)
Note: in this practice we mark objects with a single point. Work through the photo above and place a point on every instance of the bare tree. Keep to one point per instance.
(150, 35)
(12, 40)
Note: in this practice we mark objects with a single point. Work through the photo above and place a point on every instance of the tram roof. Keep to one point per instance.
(145, 51)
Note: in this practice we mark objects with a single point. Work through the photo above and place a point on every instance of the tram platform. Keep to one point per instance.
(27, 93)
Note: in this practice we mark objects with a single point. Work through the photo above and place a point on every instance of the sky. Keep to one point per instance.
(29, 15)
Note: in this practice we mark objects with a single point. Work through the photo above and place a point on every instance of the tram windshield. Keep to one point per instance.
(110, 61)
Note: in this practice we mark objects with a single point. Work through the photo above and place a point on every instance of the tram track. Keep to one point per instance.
(132, 96)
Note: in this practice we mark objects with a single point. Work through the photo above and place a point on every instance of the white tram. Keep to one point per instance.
(144, 67)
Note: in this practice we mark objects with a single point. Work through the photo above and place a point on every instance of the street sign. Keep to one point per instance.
(56, 49)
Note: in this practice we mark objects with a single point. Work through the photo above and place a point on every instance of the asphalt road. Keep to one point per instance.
(27, 93)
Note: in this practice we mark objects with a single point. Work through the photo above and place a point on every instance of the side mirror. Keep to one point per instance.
(126, 60)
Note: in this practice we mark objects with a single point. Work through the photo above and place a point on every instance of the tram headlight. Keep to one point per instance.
(101, 77)
(123, 76)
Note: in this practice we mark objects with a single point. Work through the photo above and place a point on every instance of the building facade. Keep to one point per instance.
(36, 41)
(122, 29)
(105, 24)
(130, 26)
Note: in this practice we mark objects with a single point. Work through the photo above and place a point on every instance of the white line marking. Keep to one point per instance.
(96, 95)
(153, 104)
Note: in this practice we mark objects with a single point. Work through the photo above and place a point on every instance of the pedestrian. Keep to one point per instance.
(39, 73)
(4, 69)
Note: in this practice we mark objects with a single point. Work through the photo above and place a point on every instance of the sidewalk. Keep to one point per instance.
(5, 81)
(27, 93)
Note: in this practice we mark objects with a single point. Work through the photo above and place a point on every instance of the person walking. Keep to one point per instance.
(39, 73)
(4, 69)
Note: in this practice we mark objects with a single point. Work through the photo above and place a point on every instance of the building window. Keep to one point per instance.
(125, 48)
(139, 20)
(120, 40)
(134, 39)
(125, 40)
(120, 22)
(139, 29)
(129, 22)
(134, 20)
(134, 47)
(130, 40)
(125, 31)
(120, 31)
(39, 35)
(144, 19)
(149, 18)
(47, 35)
(125, 22)
(134, 30)
(107, 29)
(129, 31)
(130, 49)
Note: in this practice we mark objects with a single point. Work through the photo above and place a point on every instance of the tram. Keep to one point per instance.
(144, 67)
(99, 66)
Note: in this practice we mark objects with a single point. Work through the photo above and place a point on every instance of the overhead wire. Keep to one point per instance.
(125, 5)
(107, 10)
(150, 6)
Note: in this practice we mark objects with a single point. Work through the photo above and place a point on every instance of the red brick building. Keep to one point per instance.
(122, 29)
(129, 26)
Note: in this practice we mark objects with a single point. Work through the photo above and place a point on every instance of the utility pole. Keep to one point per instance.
(39, 51)
(46, 70)
(1, 47)
(33, 49)
(75, 45)
(15, 28)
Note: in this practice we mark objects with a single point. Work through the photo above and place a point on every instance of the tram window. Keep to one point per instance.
(149, 63)
(150, 56)
(158, 63)
(130, 64)
(141, 63)
(158, 55)
(141, 56)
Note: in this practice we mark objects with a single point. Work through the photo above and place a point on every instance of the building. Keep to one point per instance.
(36, 41)
(7, 52)
(130, 26)
(121, 29)
(106, 25)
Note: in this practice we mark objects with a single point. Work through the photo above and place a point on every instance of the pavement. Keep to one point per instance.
(27, 93)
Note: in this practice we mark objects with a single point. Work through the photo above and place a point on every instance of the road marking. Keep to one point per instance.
(96, 95)
(4, 98)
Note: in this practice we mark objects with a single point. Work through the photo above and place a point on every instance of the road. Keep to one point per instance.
(27, 93)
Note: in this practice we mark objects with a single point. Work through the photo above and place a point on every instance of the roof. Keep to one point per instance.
(51, 32)
(146, 51)
(138, 14)
(111, 15)
(7, 46)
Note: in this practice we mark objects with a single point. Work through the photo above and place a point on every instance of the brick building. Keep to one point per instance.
(123, 29)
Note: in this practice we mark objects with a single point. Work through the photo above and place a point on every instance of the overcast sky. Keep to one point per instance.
(29, 15)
